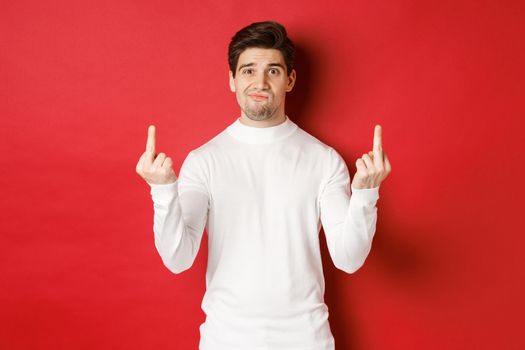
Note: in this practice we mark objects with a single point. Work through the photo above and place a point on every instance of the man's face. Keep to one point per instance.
(261, 83)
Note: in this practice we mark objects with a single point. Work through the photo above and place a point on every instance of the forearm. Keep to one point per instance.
(177, 234)
(358, 229)
(350, 225)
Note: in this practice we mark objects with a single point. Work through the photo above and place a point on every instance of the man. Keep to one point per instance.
(262, 188)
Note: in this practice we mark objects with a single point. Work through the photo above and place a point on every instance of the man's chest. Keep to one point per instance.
(278, 178)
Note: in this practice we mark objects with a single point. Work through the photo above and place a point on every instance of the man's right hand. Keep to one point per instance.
(155, 168)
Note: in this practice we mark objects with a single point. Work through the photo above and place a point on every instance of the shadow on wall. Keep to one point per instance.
(401, 263)
(298, 100)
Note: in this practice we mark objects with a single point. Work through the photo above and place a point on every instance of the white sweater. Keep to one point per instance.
(262, 195)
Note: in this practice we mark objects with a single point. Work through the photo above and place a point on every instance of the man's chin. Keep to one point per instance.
(257, 113)
(258, 116)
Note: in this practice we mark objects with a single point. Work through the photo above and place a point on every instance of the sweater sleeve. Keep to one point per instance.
(180, 215)
(348, 217)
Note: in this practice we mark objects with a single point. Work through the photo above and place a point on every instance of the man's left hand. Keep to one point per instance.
(374, 167)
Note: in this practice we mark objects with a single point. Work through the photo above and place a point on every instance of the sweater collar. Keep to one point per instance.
(254, 135)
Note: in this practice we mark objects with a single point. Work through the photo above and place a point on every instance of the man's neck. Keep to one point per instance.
(277, 119)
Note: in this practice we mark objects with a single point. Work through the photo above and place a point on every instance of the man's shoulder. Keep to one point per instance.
(327, 154)
(209, 146)
(312, 142)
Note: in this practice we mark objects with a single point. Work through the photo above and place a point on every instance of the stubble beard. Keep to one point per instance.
(259, 113)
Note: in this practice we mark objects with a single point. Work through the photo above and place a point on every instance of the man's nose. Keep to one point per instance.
(261, 80)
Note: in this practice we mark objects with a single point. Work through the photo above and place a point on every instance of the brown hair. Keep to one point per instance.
(268, 35)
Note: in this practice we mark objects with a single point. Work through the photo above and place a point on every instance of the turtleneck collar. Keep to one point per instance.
(255, 135)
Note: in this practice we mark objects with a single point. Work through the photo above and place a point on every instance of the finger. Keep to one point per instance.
(159, 160)
(150, 143)
(378, 142)
(377, 160)
(139, 166)
(378, 148)
(361, 167)
(167, 162)
(368, 162)
(388, 167)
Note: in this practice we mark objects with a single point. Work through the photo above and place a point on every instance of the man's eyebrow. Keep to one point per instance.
(275, 64)
(245, 65)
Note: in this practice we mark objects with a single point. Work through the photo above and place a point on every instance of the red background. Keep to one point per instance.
(81, 81)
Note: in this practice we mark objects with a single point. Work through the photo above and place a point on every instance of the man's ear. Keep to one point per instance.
(232, 82)
(291, 81)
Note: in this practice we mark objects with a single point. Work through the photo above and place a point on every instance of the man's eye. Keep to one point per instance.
(247, 71)
(274, 71)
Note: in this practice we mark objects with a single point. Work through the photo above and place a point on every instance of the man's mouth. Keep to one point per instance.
(258, 97)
